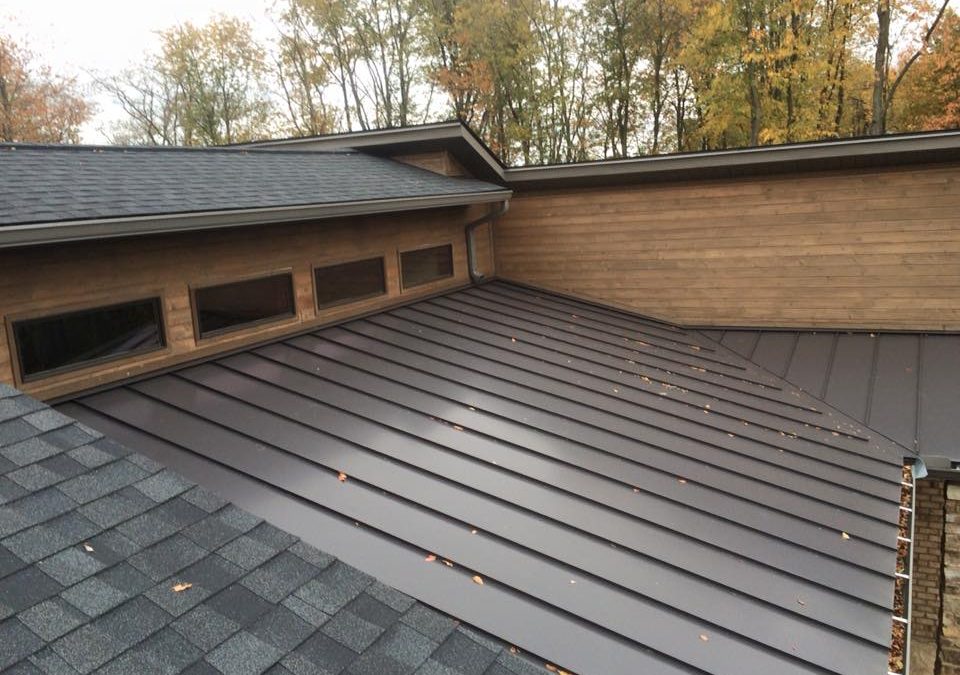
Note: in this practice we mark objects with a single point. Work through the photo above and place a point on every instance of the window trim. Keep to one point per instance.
(443, 244)
(208, 336)
(158, 296)
(360, 298)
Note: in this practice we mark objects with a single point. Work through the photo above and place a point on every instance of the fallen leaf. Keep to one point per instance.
(478, 580)
(704, 637)
(447, 563)
(457, 428)
(844, 535)
(180, 588)
(342, 477)
(549, 666)
(88, 548)
(473, 531)
(430, 558)
(801, 602)
(682, 481)
(513, 650)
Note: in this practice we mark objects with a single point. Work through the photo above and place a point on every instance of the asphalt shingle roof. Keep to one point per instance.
(93, 538)
(66, 183)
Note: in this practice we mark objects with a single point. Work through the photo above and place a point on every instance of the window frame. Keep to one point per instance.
(453, 265)
(157, 296)
(360, 298)
(207, 336)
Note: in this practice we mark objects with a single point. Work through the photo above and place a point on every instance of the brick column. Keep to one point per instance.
(950, 631)
(927, 575)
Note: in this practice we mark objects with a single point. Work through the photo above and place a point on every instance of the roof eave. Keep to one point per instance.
(452, 136)
(890, 150)
(33, 234)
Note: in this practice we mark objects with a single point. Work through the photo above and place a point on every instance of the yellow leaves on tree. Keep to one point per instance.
(35, 104)
(929, 97)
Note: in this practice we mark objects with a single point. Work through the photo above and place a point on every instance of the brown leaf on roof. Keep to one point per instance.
(430, 558)
(704, 637)
(180, 588)
(478, 580)
(342, 477)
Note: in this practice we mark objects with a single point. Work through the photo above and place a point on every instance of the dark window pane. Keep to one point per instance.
(426, 264)
(77, 338)
(337, 284)
(241, 303)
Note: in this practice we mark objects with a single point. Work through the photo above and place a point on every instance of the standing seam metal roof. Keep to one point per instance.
(93, 538)
(906, 386)
(636, 497)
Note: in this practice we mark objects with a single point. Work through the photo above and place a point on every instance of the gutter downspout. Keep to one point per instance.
(475, 275)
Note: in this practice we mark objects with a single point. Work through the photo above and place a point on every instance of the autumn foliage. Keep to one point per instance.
(36, 105)
(930, 94)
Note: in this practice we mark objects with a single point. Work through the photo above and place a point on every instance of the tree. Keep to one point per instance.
(931, 90)
(617, 25)
(304, 76)
(561, 117)
(367, 50)
(36, 105)
(206, 86)
(885, 83)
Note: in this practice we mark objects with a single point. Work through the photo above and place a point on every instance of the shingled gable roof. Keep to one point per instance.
(634, 496)
(72, 192)
(94, 538)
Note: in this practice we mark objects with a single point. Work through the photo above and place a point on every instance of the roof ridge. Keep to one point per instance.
(133, 149)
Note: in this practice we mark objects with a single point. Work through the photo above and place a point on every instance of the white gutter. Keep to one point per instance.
(102, 228)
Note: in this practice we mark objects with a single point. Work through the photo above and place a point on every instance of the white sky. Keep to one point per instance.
(75, 37)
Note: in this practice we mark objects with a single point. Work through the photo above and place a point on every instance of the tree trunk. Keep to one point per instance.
(878, 123)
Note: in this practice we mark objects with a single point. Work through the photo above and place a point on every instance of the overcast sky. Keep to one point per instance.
(75, 37)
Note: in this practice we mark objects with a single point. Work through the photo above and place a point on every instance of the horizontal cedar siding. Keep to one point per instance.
(45, 279)
(860, 249)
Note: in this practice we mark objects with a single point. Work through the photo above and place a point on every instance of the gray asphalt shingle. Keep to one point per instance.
(56, 183)
(94, 538)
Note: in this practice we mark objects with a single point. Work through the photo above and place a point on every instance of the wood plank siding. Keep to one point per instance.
(48, 280)
(875, 248)
(440, 161)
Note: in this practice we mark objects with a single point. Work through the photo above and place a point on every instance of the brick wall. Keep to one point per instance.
(950, 631)
(927, 559)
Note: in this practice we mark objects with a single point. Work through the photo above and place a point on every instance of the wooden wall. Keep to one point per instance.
(865, 249)
(440, 161)
(47, 279)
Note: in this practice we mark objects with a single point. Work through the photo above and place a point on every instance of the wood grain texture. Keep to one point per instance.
(440, 161)
(876, 249)
(46, 280)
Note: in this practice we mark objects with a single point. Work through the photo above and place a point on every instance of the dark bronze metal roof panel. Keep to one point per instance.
(635, 496)
(906, 386)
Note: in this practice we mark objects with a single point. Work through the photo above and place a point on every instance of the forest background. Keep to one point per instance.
(540, 81)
